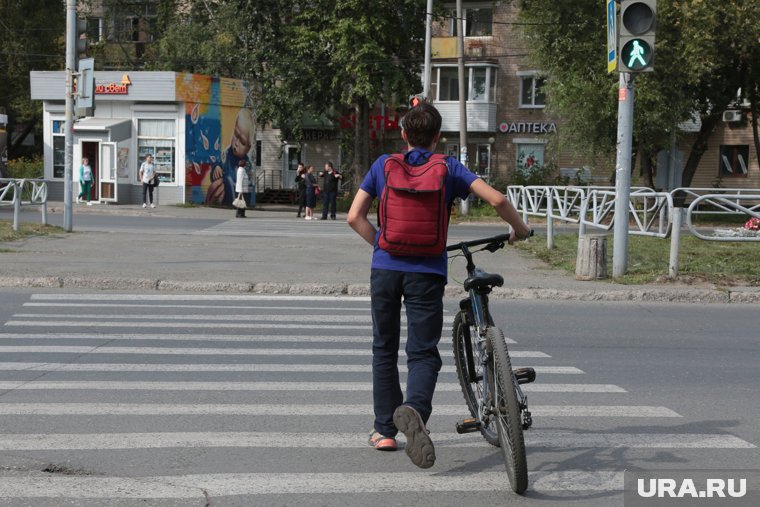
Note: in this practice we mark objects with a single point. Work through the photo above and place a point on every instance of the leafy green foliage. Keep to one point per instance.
(705, 52)
(30, 168)
(31, 38)
(321, 58)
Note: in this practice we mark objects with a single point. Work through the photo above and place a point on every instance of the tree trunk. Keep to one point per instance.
(709, 122)
(646, 168)
(755, 134)
(361, 139)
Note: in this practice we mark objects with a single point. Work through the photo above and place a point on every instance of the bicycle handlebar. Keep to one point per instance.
(484, 241)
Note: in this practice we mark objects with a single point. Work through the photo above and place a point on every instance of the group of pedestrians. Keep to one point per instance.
(309, 190)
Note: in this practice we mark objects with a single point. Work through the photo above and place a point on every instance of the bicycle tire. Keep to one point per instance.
(507, 411)
(472, 391)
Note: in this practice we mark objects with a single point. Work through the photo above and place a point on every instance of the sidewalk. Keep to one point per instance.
(331, 262)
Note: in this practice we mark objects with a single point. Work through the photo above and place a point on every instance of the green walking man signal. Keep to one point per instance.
(638, 22)
(636, 55)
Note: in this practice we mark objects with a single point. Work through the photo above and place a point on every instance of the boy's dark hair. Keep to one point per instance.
(421, 124)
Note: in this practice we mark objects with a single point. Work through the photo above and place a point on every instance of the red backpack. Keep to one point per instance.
(413, 214)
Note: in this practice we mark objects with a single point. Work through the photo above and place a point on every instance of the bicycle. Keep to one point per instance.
(490, 386)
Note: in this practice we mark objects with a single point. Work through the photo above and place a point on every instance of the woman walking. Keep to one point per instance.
(85, 180)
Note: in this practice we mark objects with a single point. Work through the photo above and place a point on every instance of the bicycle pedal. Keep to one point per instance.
(468, 425)
(525, 375)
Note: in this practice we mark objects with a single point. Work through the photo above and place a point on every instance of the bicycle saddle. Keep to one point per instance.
(482, 280)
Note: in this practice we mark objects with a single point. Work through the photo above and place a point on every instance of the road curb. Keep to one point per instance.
(698, 296)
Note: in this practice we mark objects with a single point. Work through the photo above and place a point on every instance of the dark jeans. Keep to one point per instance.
(329, 199)
(147, 188)
(422, 295)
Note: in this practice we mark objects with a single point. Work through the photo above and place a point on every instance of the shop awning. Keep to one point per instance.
(120, 128)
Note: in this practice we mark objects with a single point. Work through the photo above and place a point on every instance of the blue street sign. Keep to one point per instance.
(611, 36)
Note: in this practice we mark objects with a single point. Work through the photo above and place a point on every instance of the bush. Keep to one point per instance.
(28, 168)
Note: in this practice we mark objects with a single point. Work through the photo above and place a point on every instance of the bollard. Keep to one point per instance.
(675, 240)
(591, 263)
(16, 205)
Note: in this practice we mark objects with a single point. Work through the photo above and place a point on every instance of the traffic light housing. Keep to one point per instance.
(416, 100)
(81, 37)
(638, 22)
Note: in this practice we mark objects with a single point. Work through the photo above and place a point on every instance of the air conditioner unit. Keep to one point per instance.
(732, 116)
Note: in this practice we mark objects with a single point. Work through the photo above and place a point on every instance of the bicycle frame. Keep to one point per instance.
(476, 308)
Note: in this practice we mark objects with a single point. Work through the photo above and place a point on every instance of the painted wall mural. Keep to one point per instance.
(220, 131)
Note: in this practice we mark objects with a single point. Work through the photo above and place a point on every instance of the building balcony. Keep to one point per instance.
(481, 116)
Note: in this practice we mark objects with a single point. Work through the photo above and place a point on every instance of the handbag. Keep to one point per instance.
(317, 191)
(239, 202)
(156, 181)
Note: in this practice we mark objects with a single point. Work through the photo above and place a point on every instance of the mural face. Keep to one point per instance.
(220, 132)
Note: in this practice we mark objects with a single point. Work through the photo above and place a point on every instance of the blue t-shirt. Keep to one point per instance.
(457, 185)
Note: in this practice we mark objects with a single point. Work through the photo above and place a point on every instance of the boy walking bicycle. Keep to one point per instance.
(409, 266)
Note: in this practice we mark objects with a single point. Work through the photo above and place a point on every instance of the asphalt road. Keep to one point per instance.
(182, 399)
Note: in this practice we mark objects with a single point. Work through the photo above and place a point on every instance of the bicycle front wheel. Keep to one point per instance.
(506, 411)
(472, 388)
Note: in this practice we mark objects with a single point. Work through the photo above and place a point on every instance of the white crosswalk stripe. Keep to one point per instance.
(238, 385)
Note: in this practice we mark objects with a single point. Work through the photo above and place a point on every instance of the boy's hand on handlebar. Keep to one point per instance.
(515, 237)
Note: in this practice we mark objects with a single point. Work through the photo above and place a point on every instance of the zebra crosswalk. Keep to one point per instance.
(173, 399)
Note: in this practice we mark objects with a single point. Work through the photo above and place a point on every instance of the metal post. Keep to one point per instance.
(464, 207)
(428, 38)
(16, 204)
(549, 220)
(623, 174)
(71, 48)
(675, 240)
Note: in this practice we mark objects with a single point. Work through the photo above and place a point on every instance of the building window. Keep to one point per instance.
(531, 91)
(94, 29)
(59, 149)
(157, 137)
(530, 160)
(478, 21)
(444, 85)
(483, 161)
(733, 160)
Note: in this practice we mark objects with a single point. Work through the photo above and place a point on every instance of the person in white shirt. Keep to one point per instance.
(147, 174)
(85, 181)
(241, 186)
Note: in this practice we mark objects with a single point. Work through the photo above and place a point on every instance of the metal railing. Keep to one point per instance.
(29, 192)
(268, 179)
(652, 213)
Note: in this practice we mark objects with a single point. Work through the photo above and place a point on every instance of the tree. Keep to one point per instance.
(319, 58)
(701, 60)
(31, 38)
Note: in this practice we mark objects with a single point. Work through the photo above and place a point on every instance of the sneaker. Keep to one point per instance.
(145, 205)
(152, 205)
(418, 447)
(381, 442)
(89, 203)
(307, 218)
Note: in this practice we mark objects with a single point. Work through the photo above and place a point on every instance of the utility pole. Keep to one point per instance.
(464, 207)
(623, 174)
(428, 38)
(71, 48)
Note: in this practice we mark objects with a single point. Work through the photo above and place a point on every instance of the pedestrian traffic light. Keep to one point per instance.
(416, 100)
(638, 21)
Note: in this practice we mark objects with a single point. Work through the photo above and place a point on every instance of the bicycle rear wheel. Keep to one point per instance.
(507, 411)
(472, 389)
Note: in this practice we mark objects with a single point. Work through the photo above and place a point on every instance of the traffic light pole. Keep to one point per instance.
(71, 48)
(623, 174)
(464, 206)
